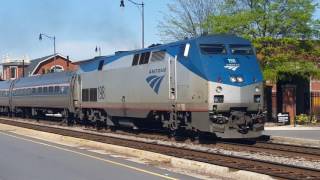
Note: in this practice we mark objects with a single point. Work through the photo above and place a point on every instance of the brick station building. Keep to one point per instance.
(19, 68)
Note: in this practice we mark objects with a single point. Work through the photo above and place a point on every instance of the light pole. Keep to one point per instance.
(54, 48)
(142, 16)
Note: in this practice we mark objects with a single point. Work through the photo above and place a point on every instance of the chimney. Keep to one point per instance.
(68, 63)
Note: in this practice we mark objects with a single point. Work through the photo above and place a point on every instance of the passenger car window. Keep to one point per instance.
(213, 49)
(240, 49)
(40, 90)
(45, 89)
(51, 89)
(56, 89)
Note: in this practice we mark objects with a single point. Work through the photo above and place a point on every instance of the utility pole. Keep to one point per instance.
(142, 17)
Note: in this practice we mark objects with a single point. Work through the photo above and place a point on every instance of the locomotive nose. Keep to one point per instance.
(223, 97)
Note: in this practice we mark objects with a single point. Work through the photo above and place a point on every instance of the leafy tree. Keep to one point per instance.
(266, 18)
(186, 18)
(287, 56)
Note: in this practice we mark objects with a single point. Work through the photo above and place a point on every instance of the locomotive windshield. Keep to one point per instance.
(240, 49)
(213, 49)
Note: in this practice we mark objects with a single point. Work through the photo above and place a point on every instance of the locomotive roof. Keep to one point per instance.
(46, 79)
(91, 64)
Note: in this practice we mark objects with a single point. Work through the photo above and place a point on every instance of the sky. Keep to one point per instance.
(78, 25)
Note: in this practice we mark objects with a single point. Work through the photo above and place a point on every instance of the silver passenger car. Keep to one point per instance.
(49, 93)
(5, 96)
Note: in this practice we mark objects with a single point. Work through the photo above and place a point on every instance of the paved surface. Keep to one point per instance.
(304, 134)
(23, 158)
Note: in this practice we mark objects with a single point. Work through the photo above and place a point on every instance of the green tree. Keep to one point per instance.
(266, 18)
(287, 56)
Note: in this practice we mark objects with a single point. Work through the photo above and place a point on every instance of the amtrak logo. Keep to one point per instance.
(232, 67)
(154, 82)
(232, 64)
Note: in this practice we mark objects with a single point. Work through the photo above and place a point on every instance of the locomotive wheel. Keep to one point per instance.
(178, 134)
(99, 125)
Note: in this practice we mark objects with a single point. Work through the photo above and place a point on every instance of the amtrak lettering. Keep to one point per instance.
(157, 70)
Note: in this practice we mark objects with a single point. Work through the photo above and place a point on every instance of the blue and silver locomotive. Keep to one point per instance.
(211, 84)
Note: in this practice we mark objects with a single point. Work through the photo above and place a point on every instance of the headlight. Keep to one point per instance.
(218, 99)
(257, 98)
(257, 89)
(239, 79)
(219, 89)
(233, 79)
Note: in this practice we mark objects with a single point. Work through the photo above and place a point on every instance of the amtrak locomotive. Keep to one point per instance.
(210, 84)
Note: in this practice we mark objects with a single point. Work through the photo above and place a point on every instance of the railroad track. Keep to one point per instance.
(288, 148)
(237, 163)
(285, 150)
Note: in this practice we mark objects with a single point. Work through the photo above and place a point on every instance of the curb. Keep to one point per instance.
(296, 141)
(199, 168)
(291, 128)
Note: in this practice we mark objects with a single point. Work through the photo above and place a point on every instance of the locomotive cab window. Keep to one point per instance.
(241, 49)
(208, 49)
(158, 56)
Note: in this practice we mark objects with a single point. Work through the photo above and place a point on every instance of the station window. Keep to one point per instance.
(135, 60)
(158, 56)
(13, 72)
(85, 95)
(213, 49)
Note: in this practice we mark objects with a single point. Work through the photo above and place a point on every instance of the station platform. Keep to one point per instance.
(303, 132)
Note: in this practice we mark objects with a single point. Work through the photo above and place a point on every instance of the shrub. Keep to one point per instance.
(302, 119)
